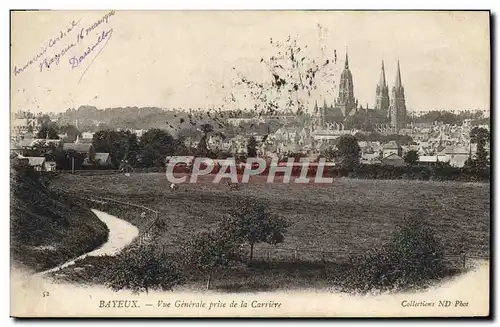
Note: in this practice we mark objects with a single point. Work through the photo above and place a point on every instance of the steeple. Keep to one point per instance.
(346, 64)
(398, 83)
(345, 100)
(382, 92)
(382, 81)
(397, 112)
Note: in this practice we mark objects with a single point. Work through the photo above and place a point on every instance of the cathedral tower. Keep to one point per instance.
(382, 100)
(397, 111)
(345, 100)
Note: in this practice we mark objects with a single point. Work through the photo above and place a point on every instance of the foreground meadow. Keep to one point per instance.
(330, 223)
(348, 215)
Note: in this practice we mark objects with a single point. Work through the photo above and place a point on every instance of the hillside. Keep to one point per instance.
(48, 228)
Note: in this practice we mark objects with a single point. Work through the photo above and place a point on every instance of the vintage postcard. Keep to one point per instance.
(250, 163)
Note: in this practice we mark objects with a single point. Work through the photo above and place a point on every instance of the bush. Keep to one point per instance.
(209, 251)
(142, 268)
(411, 259)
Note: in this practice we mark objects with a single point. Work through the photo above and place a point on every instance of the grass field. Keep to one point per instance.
(348, 215)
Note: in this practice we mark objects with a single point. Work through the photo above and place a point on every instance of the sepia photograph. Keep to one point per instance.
(294, 163)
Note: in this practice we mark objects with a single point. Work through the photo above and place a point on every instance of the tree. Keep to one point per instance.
(154, 146)
(411, 157)
(255, 225)
(480, 136)
(65, 159)
(71, 131)
(252, 147)
(349, 151)
(330, 154)
(44, 121)
(143, 268)
(202, 148)
(47, 133)
(209, 251)
(120, 145)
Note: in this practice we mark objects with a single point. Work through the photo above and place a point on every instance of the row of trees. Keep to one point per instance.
(448, 117)
(125, 147)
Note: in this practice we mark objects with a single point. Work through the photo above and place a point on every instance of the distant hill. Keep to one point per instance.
(48, 229)
(174, 121)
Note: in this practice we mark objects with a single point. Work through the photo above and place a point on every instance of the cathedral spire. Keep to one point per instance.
(346, 65)
(346, 101)
(382, 81)
(397, 112)
(382, 100)
(398, 83)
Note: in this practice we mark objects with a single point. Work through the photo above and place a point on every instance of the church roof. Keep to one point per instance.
(334, 112)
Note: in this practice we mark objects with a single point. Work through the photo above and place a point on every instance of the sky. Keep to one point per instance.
(181, 59)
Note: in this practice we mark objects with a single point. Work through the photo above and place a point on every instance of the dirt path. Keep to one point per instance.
(121, 234)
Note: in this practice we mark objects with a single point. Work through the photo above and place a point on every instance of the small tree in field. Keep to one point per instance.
(349, 151)
(258, 225)
(480, 136)
(210, 251)
(252, 147)
(142, 269)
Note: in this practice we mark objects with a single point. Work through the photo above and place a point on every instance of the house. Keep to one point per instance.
(38, 163)
(50, 165)
(432, 160)
(87, 135)
(215, 142)
(393, 160)
(139, 132)
(103, 159)
(85, 149)
(458, 155)
(100, 159)
(187, 160)
(392, 148)
(369, 158)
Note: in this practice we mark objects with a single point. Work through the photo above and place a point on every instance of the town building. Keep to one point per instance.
(391, 148)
